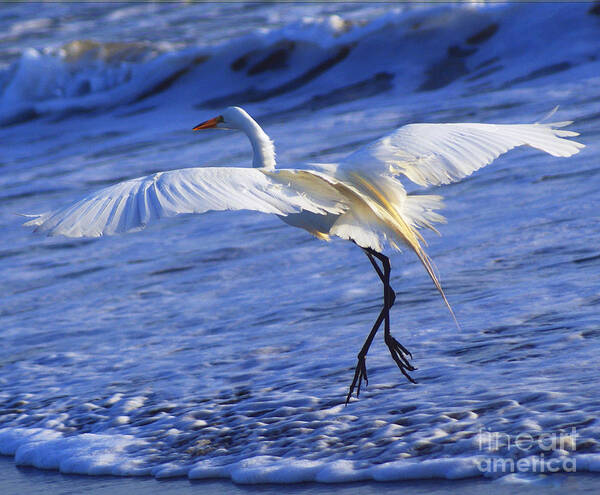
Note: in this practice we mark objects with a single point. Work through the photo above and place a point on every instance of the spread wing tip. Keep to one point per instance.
(34, 220)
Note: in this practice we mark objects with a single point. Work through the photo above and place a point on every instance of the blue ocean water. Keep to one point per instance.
(223, 345)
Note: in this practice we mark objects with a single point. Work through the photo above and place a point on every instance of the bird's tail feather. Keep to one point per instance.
(406, 233)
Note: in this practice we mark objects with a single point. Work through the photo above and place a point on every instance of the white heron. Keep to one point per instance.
(360, 198)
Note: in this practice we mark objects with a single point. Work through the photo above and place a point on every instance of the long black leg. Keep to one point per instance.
(361, 369)
(400, 354)
(398, 351)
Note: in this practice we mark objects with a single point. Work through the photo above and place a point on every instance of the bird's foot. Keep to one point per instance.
(359, 373)
(400, 354)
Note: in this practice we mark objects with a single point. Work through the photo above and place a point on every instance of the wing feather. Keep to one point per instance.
(133, 204)
(434, 154)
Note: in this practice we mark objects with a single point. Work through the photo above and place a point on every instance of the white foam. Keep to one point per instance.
(88, 453)
(47, 81)
(126, 455)
(86, 75)
(12, 438)
(449, 468)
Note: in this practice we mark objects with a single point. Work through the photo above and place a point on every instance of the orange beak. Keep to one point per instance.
(209, 124)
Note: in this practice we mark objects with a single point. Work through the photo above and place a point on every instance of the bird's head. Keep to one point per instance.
(232, 118)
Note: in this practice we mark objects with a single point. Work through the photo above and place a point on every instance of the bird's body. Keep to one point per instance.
(360, 198)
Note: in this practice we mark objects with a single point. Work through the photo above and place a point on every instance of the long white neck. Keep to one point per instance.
(264, 149)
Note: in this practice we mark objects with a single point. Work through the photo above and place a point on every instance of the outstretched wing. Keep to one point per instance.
(133, 204)
(434, 154)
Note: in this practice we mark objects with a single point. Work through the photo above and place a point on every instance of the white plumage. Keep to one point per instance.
(133, 204)
(359, 199)
(435, 154)
(359, 194)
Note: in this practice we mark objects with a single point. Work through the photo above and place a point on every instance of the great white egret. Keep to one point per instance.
(359, 198)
